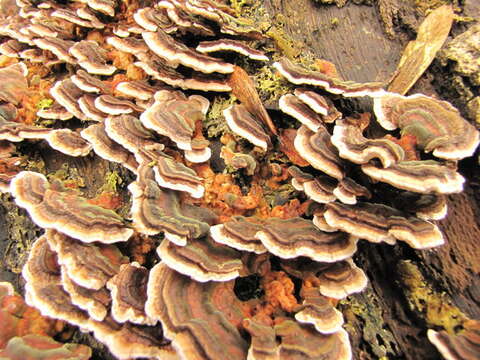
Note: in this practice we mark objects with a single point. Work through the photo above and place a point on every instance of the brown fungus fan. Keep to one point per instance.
(162, 278)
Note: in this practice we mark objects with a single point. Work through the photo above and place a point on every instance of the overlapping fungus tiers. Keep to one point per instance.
(437, 125)
(244, 124)
(129, 292)
(202, 319)
(90, 265)
(174, 115)
(176, 176)
(377, 223)
(352, 145)
(155, 210)
(14, 82)
(129, 132)
(318, 150)
(44, 288)
(231, 45)
(128, 340)
(239, 233)
(96, 303)
(305, 341)
(293, 106)
(52, 206)
(289, 339)
(108, 149)
(335, 280)
(189, 296)
(427, 176)
(177, 53)
(318, 311)
(202, 259)
(299, 237)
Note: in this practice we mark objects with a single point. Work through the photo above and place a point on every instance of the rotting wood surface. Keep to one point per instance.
(407, 287)
(409, 290)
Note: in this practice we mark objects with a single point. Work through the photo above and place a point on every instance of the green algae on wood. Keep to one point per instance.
(112, 181)
(364, 309)
(214, 122)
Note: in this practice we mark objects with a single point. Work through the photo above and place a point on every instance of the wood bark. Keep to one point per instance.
(409, 291)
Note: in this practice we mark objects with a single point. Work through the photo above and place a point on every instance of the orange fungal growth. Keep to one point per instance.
(279, 290)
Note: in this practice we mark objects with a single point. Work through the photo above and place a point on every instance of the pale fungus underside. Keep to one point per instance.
(182, 304)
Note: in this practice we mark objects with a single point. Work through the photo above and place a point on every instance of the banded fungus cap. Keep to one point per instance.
(437, 125)
(52, 206)
(296, 237)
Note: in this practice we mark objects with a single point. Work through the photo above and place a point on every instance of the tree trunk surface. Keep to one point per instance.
(409, 291)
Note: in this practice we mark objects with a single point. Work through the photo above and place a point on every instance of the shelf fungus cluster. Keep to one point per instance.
(231, 280)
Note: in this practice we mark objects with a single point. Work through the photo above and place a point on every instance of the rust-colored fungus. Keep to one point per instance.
(19, 320)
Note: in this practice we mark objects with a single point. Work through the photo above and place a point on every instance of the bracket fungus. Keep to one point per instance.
(244, 124)
(231, 45)
(437, 125)
(207, 331)
(167, 281)
(298, 75)
(380, 223)
(317, 149)
(54, 207)
(299, 237)
(155, 210)
(239, 234)
(202, 259)
(463, 346)
(174, 115)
